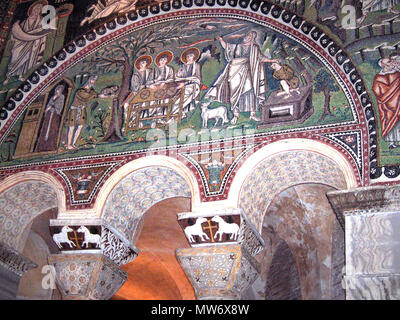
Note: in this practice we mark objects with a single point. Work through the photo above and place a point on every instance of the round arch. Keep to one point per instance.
(23, 196)
(281, 19)
(145, 181)
(276, 167)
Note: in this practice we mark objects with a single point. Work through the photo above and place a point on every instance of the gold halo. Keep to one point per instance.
(167, 53)
(189, 50)
(148, 58)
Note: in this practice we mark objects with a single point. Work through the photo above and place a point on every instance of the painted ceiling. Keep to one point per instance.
(206, 82)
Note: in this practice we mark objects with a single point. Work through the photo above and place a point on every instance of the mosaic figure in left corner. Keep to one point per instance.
(33, 37)
(28, 39)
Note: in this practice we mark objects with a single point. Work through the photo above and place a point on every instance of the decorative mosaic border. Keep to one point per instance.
(208, 192)
(266, 11)
(357, 156)
(99, 182)
(178, 153)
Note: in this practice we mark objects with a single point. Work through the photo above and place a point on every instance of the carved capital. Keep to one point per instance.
(217, 272)
(87, 276)
(365, 200)
(14, 261)
(220, 227)
(117, 248)
(249, 237)
(92, 236)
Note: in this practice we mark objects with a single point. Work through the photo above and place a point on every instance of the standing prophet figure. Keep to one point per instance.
(386, 88)
(242, 84)
(28, 42)
(47, 140)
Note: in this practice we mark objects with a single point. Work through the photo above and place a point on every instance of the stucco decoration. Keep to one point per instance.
(19, 205)
(280, 172)
(136, 193)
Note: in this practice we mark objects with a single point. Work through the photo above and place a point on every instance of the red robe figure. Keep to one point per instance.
(386, 88)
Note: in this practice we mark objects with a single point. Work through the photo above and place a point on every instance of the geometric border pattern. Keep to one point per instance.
(355, 151)
(61, 172)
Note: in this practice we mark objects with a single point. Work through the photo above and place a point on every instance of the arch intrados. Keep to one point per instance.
(147, 162)
(296, 144)
(40, 176)
(277, 194)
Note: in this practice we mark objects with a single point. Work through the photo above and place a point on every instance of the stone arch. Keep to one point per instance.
(136, 192)
(277, 171)
(23, 197)
(286, 163)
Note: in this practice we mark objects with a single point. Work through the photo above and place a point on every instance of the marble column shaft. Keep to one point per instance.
(372, 222)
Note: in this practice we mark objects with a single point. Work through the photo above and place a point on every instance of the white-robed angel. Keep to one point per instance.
(111, 6)
(242, 83)
(190, 76)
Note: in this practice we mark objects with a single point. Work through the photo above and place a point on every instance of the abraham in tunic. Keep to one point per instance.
(47, 140)
(28, 42)
(242, 83)
(386, 87)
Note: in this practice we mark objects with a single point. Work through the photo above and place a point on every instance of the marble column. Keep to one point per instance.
(88, 267)
(221, 262)
(371, 219)
(12, 266)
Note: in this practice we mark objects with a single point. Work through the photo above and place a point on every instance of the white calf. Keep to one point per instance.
(217, 113)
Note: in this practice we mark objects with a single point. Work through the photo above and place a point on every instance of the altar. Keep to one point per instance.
(154, 107)
(283, 109)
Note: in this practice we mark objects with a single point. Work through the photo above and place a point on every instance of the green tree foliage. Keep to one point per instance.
(324, 82)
